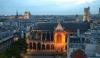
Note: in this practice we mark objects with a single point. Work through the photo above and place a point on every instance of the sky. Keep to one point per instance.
(48, 7)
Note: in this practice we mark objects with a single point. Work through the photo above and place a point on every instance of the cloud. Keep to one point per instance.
(48, 6)
(85, 1)
(72, 1)
(57, 2)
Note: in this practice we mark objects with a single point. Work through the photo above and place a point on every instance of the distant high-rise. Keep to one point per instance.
(86, 14)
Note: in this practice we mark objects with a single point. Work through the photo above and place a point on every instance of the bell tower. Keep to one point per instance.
(86, 17)
(59, 38)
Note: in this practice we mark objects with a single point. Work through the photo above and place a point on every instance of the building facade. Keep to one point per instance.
(55, 41)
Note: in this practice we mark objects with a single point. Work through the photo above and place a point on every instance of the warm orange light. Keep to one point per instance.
(59, 40)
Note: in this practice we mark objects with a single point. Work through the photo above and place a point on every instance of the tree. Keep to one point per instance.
(16, 48)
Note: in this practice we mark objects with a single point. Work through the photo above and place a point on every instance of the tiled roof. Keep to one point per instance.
(70, 26)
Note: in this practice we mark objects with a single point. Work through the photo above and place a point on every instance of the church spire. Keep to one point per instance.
(16, 13)
(59, 26)
(16, 16)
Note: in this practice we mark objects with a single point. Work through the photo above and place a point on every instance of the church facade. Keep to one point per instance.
(43, 40)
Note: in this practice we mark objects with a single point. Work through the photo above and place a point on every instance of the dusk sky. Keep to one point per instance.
(48, 7)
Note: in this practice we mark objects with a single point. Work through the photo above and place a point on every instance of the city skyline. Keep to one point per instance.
(49, 28)
(48, 7)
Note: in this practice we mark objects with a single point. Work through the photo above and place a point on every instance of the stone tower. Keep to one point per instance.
(86, 16)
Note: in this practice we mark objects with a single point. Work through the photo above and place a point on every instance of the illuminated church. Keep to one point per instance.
(52, 37)
(45, 40)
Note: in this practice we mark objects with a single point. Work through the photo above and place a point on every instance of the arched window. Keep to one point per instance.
(52, 47)
(59, 38)
(43, 47)
(30, 45)
(47, 46)
(38, 46)
(34, 45)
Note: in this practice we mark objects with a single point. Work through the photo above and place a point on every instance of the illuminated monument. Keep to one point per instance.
(59, 38)
(48, 41)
